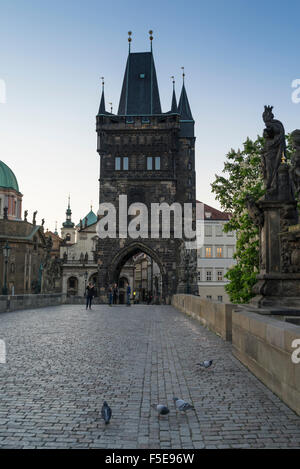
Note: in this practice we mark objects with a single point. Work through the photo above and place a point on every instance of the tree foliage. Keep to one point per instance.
(242, 176)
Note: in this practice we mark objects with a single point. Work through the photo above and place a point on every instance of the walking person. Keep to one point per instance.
(110, 296)
(90, 293)
(115, 294)
(128, 293)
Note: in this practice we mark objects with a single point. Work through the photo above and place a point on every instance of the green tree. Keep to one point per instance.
(242, 176)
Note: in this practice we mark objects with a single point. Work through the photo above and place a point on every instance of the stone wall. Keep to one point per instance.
(17, 302)
(263, 344)
(212, 314)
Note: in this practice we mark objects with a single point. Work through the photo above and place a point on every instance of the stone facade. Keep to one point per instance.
(215, 257)
(148, 156)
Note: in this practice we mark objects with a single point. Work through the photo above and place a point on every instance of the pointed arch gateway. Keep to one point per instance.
(120, 259)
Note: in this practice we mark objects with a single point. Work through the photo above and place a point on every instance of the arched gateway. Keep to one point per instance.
(148, 156)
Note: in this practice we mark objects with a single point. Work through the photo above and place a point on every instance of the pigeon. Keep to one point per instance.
(106, 412)
(161, 409)
(182, 405)
(206, 363)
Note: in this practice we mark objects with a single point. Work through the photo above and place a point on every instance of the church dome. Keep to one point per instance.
(7, 178)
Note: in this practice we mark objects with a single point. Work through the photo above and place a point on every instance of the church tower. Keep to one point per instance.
(68, 229)
(149, 156)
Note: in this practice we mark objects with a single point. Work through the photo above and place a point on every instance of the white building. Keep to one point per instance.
(215, 257)
(78, 254)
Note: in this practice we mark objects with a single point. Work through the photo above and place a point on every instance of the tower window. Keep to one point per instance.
(121, 163)
(117, 163)
(153, 163)
(142, 75)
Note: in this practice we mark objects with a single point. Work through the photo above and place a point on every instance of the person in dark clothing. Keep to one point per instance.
(115, 294)
(110, 296)
(90, 293)
(128, 293)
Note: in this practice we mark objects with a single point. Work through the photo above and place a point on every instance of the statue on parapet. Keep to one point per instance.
(273, 151)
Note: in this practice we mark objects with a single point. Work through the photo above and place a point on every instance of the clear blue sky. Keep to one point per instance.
(238, 55)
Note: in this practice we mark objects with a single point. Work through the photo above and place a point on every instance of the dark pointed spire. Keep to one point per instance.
(183, 105)
(102, 102)
(68, 223)
(174, 109)
(140, 95)
(186, 118)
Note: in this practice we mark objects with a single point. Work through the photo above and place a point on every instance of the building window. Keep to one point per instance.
(219, 230)
(219, 252)
(117, 163)
(68, 237)
(121, 163)
(189, 181)
(189, 165)
(153, 163)
(220, 298)
(220, 275)
(199, 276)
(207, 230)
(12, 268)
(208, 275)
(208, 297)
(230, 252)
(208, 252)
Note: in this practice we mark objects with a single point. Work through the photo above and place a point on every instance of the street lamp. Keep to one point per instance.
(85, 280)
(6, 253)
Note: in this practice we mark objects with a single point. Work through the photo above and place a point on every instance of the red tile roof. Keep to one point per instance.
(215, 214)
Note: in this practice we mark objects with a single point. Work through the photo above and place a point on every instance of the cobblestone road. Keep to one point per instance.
(62, 362)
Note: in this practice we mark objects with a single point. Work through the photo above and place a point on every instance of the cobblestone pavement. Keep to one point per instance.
(62, 362)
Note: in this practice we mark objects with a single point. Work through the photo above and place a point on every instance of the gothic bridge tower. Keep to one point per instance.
(149, 156)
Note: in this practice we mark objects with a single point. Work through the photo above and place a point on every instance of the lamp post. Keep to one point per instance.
(6, 253)
(85, 280)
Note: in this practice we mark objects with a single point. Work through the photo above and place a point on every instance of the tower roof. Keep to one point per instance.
(68, 223)
(140, 94)
(184, 106)
(7, 178)
(91, 218)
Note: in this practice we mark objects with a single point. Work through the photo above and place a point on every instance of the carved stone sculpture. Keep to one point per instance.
(274, 149)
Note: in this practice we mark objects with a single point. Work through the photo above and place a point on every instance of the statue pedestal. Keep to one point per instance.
(278, 283)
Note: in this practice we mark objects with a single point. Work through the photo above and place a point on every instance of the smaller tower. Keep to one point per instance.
(68, 229)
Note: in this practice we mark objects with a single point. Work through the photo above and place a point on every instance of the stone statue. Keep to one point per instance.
(80, 224)
(25, 215)
(85, 222)
(5, 211)
(274, 149)
(254, 211)
(34, 218)
(65, 256)
(43, 221)
(295, 169)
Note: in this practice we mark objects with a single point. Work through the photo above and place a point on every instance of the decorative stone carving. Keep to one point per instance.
(295, 168)
(254, 211)
(274, 149)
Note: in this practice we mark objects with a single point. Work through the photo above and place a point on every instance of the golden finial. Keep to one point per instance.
(283, 158)
(129, 39)
(151, 37)
(173, 81)
(183, 74)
